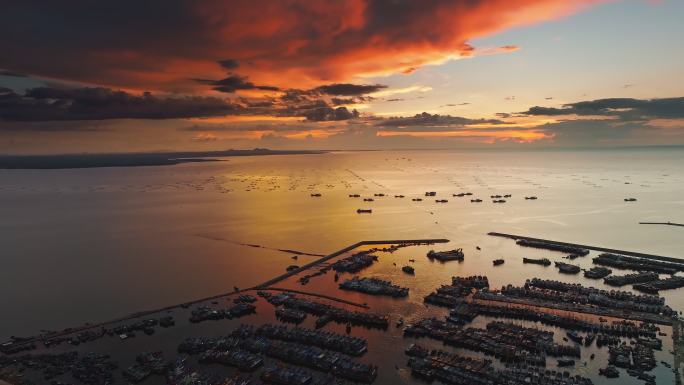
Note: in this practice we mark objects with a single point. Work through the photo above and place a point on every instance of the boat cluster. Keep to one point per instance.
(320, 351)
(444, 256)
(327, 313)
(448, 295)
(374, 286)
(457, 369)
(638, 264)
(354, 263)
(205, 313)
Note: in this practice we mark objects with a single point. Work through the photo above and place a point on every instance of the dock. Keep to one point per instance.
(595, 248)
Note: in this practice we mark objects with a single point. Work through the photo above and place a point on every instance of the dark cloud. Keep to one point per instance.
(12, 74)
(346, 89)
(159, 44)
(53, 104)
(323, 114)
(234, 83)
(339, 101)
(229, 64)
(426, 119)
(624, 108)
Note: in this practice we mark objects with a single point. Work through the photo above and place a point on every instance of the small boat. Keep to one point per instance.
(441, 201)
(531, 198)
(417, 199)
(498, 262)
(292, 268)
(364, 211)
(478, 247)
(592, 356)
(412, 260)
(354, 195)
(476, 200)
(399, 196)
(430, 194)
(295, 257)
(565, 362)
(379, 195)
(368, 199)
(589, 339)
(499, 201)
(408, 270)
(575, 337)
(316, 195)
(539, 261)
(630, 199)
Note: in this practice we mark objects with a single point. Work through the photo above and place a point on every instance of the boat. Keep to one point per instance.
(531, 198)
(499, 201)
(292, 268)
(408, 269)
(441, 201)
(537, 261)
(498, 262)
(630, 199)
(430, 194)
(364, 211)
(475, 200)
(417, 199)
(354, 195)
(399, 196)
(597, 272)
(316, 195)
(565, 362)
(610, 372)
(567, 268)
(478, 247)
(368, 199)
(575, 337)
(589, 339)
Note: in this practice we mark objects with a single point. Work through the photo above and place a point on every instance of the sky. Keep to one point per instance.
(129, 76)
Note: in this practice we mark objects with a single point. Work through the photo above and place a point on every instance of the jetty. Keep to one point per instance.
(662, 223)
(594, 248)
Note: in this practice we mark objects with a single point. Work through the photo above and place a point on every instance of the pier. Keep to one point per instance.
(595, 248)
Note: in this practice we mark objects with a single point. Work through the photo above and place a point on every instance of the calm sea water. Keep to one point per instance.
(93, 244)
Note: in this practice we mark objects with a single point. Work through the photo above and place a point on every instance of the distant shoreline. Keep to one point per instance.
(73, 161)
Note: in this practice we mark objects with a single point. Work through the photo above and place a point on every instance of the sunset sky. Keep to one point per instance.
(83, 76)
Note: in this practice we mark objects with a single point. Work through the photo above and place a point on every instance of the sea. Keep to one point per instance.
(88, 245)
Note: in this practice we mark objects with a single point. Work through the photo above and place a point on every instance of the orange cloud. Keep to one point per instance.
(295, 43)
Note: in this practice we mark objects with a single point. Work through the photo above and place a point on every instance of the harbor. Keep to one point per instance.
(337, 328)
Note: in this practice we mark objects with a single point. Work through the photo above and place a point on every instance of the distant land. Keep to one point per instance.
(63, 161)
